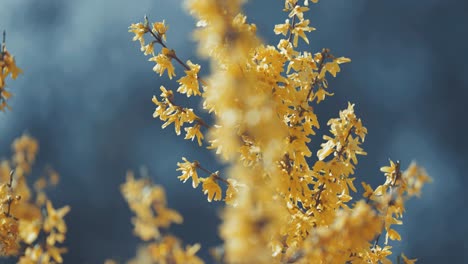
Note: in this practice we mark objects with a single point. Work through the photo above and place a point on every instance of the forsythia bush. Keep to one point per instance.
(282, 204)
(281, 207)
(30, 227)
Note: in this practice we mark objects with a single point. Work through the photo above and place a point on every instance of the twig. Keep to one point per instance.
(340, 152)
(174, 56)
(398, 175)
(321, 189)
(4, 43)
(182, 109)
(320, 67)
(293, 24)
(10, 199)
(214, 174)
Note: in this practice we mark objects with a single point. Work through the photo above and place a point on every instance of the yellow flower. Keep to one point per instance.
(166, 93)
(56, 253)
(189, 170)
(368, 191)
(54, 219)
(282, 28)
(193, 132)
(10, 66)
(33, 255)
(25, 149)
(390, 173)
(189, 83)
(29, 230)
(298, 11)
(163, 63)
(232, 191)
(145, 229)
(299, 29)
(160, 28)
(211, 188)
(408, 261)
(148, 49)
(139, 29)
(165, 217)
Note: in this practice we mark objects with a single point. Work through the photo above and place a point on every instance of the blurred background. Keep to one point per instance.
(86, 96)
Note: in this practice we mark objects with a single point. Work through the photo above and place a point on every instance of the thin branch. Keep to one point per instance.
(293, 24)
(320, 67)
(159, 40)
(4, 43)
(398, 175)
(321, 189)
(10, 183)
(199, 120)
(10, 199)
(342, 149)
(214, 174)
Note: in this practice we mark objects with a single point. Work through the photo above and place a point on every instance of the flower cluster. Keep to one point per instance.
(148, 202)
(7, 68)
(283, 205)
(210, 184)
(30, 227)
(189, 84)
(389, 200)
(170, 113)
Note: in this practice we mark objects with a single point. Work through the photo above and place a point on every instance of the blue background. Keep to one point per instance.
(86, 96)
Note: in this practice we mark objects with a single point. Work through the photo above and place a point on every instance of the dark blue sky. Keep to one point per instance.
(86, 95)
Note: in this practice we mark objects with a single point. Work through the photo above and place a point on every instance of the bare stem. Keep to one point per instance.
(10, 183)
(293, 24)
(10, 199)
(4, 43)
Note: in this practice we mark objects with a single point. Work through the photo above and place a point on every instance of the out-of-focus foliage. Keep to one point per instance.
(31, 229)
(7, 68)
(152, 219)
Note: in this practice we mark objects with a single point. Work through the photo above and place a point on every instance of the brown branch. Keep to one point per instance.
(2, 64)
(159, 40)
(199, 120)
(319, 194)
(10, 183)
(339, 154)
(398, 175)
(293, 24)
(10, 199)
(325, 54)
(342, 149)
(214, 174)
